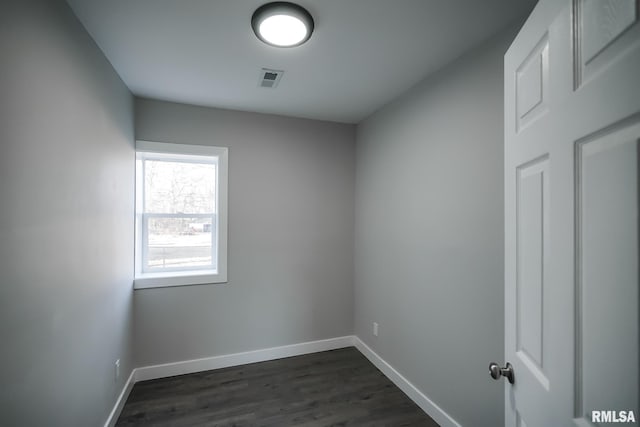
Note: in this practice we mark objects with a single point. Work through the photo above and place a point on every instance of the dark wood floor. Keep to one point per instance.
(332, 388)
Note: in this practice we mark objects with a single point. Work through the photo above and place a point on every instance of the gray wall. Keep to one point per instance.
(429, 234)
(291, 213)
(66, 195)
(66, 203)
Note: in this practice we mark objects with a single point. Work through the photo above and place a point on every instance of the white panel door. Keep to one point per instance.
(572, 131)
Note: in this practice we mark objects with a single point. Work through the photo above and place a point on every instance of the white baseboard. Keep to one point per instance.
(427, 405)
(216, 362)
(224, 361)
(122, 398)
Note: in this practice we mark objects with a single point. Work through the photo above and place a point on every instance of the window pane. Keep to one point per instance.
(179, 187)
(180, 243)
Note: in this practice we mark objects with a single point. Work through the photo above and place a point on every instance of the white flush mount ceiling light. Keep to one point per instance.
(282, 24)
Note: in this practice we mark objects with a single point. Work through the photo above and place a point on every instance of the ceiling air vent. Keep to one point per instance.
(270, 78)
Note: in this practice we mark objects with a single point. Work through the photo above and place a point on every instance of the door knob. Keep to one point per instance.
(507, 372)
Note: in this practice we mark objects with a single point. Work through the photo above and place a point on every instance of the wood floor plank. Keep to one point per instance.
(331, 388)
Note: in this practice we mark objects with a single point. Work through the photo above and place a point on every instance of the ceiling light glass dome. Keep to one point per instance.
(282, 24)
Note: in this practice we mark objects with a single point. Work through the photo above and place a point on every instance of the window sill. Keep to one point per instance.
(181, 278)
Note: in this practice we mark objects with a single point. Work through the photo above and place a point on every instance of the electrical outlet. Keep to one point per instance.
(117, 371)
(375, 329)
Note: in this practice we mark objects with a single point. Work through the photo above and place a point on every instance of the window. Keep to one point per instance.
(181, 215)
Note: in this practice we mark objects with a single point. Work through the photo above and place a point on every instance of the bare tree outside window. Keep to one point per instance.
(180, 196)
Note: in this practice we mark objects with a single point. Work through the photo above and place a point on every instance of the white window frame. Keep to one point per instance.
(190, 276)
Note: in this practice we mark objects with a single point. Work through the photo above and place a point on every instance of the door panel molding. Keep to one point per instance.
(606, 294)
(532, 85)
(532, 239)
(603, 31)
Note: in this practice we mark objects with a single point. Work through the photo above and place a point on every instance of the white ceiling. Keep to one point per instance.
(363, 53)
